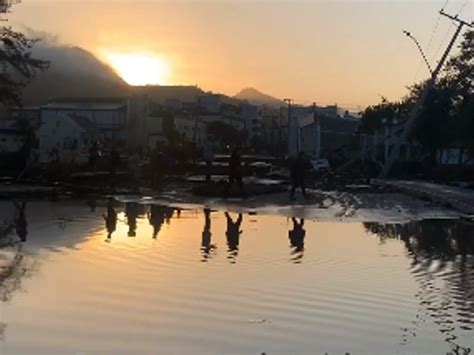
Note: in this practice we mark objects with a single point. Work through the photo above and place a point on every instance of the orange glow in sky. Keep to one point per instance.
(348, 52)
(140, 68)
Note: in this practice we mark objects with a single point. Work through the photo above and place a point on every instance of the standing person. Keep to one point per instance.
(134, 167)
(114, 165)
(298, 168)
(208, 156)
(235, 170)
(157, 166)
(21, 225)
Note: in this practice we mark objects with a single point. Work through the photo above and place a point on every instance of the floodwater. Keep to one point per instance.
(160, 280)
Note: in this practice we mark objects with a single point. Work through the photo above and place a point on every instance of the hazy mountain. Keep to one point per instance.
(256, 97)
(73, 72)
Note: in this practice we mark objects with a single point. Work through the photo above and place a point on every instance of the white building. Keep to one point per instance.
(253, 121)
(67, 134)
(109, 116)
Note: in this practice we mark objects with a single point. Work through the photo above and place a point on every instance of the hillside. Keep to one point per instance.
(73, 72)
(256, 97)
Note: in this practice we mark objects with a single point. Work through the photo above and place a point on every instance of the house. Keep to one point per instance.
(322, 134)
(109, 116)
(68, 135)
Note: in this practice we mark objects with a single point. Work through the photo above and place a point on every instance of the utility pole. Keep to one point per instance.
(317, 128)
(290, 125)
(415, 111)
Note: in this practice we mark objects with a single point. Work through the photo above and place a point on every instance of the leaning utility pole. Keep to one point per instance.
(415, 111)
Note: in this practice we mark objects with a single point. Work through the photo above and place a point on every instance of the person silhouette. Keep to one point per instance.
(21, 225)
(206, 246)
(169, 211)
(235, 172)
(297, 170)
(156, 217)
(296, 236)
(233, 236)
(131, 211)
(110, 218)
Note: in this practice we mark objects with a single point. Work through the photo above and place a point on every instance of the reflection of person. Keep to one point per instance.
(297, 175)
(206, 246)
(131, 211)
(233, 235)
(296, 236)
(156, 218)
(235, 170)
(21, 225)
(110, 218)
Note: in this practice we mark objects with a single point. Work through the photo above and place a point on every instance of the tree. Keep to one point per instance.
(447, 116)
(373, 116)
(17, 67)
(225, 133)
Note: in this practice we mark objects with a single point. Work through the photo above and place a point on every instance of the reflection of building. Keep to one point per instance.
(442, 263)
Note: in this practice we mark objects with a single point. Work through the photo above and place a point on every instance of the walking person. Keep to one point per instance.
(208, 156)
(298, 168)
(158, 166)
(235, 171)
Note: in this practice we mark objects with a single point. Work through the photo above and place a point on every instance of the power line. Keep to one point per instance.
(415, 111)
(462, 7)
(433, 32)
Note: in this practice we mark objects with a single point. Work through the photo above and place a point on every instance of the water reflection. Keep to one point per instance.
(233, 233)
(110, 218)
(296, 236)
(131, 212)
(156, 217)
(206, 247)
(442, 262)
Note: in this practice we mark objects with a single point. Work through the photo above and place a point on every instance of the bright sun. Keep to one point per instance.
(140, 68)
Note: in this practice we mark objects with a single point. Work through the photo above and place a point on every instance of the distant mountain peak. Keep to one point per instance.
(257, 97)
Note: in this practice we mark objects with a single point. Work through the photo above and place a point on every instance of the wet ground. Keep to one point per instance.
(353, 274)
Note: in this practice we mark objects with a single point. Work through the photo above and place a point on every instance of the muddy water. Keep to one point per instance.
(159, 280)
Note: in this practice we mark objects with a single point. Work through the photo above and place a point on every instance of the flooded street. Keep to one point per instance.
(198, 281)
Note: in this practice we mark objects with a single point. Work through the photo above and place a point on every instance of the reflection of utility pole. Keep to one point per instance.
(289, 124)
(415, 111)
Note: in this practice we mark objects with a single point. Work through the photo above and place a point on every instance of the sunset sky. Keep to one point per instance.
(349, 51)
